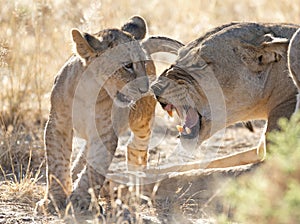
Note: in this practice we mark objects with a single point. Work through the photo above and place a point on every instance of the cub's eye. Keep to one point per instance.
(128, 66)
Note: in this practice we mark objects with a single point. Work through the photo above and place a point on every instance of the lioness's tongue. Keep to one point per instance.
(169, 109)
(191, 120)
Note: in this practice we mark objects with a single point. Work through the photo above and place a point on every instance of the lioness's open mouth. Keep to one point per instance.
(190, 119)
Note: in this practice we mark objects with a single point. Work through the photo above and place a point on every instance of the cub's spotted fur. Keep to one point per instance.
(69, 106)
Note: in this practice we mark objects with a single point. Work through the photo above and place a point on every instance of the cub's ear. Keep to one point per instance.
(136, 26)
(263, 51)
(88, 46)
(82, 43)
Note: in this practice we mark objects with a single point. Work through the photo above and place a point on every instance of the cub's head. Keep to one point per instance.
(121, 55)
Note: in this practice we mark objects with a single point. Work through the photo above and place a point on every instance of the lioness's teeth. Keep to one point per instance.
(188, 130)
(179, 128)
(170, 112)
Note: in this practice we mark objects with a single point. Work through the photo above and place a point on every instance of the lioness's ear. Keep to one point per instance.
(275, 44)
(263, 51)
(83, 44)
(136, 26)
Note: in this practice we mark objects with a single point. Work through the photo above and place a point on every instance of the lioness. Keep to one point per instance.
(294, 62)
(91, 94)
(236, 72)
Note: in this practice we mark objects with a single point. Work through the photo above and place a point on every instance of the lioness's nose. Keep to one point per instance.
(158, 88)
(161, 84)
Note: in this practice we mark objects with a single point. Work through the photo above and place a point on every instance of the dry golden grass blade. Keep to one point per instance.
(25, 191)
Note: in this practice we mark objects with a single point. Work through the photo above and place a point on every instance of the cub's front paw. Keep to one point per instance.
(56, 203)
(85, 203)
(80, 202)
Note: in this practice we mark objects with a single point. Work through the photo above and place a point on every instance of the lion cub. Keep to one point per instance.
(90, 97)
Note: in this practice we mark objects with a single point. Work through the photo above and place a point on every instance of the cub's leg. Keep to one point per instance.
(101, 146)
(58, 146)
(78, 164)
(140, 122)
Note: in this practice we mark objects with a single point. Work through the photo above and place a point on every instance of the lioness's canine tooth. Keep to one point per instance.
(179, 128)
(188, 130)
(170, 112)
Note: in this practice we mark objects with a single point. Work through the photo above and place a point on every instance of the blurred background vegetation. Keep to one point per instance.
(35, 39)
(35, 43)
(272, 193)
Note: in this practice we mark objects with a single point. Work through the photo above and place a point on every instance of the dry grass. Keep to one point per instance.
(35, 42)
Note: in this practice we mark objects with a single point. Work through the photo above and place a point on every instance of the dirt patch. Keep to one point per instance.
(15, 212)
(179, 197)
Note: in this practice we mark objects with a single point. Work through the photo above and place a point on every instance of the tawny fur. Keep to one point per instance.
(92, 97)
(236, 72)
(294, 62)
(65, 119)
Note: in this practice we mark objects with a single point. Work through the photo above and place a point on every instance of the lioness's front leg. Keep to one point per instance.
(256, 155)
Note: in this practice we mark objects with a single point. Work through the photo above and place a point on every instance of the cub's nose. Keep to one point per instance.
(143, 85)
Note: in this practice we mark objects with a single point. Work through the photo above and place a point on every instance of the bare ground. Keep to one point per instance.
(179, 197)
